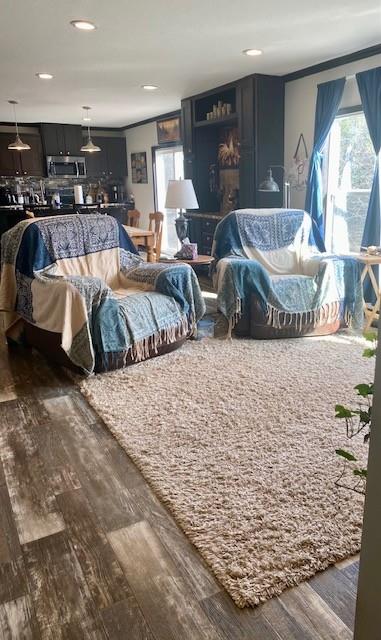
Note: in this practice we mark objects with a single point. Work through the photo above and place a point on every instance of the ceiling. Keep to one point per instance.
(183, 46)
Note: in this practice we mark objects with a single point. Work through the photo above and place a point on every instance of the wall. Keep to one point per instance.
(300, 101)
(142, 138)
(368, 613)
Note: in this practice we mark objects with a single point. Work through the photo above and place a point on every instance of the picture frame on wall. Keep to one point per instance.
(139, 167)
(168, 130)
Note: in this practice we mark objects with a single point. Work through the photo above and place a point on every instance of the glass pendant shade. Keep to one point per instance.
(17, 144)
(89, 147)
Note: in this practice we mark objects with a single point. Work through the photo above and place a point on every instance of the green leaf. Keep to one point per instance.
(345, 454)
(365, 416)
(370, 336)
(343, 412)
(369, 353)
(360, 472)
(364, 389)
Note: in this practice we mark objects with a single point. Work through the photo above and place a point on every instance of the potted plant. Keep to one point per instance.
(358, 424)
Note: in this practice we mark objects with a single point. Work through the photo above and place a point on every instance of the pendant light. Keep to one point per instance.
(18, 144)
(89, 147)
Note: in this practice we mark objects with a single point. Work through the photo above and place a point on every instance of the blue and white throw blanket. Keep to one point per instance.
(80, 276)
(265, 253)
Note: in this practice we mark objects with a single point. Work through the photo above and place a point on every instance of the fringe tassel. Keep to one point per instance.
(141, 350)
(327, 314)
(234, 319)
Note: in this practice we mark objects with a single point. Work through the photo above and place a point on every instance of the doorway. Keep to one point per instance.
(168, 164)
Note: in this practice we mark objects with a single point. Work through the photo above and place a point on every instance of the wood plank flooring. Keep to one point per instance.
(87, 551)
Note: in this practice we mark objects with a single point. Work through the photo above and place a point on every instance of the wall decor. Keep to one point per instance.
(139, 167)
(168, 130)
(228, 149)
(298, 172)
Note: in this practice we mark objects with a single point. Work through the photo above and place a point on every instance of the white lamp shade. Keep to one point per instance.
(180, 195)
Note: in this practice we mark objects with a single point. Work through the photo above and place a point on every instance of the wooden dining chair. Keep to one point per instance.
(156, 221)
(133, 217)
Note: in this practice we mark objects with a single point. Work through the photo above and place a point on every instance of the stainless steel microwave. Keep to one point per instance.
(66, 166)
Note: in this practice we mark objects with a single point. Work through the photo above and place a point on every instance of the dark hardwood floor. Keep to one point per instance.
(88, 551)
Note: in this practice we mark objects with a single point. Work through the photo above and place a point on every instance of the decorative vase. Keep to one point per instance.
(181, 224)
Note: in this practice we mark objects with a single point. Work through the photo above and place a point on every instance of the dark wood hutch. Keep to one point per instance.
(253, 126)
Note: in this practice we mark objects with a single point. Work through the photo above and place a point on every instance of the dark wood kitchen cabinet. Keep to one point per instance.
(21, 163)
(116, 157)
(61, 139)
(96, 163)
(9, 160)
(110, 161)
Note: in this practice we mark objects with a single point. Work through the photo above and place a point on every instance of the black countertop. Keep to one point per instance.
(20, 208)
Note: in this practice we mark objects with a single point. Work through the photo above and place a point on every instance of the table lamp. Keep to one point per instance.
(269, 185)
(181, 195)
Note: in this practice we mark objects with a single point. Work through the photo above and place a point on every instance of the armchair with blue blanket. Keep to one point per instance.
(75, 287)
(271, 283)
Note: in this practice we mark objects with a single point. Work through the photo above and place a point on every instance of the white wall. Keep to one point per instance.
(300, 101)
(142, 138)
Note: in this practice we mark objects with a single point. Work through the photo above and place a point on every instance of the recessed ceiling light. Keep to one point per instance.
(84, 25)
(44, 76)
(252, 52)
(149, 87)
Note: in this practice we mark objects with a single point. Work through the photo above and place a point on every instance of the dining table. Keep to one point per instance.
(143, 237)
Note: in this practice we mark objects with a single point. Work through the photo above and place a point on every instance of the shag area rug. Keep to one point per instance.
(238, 439)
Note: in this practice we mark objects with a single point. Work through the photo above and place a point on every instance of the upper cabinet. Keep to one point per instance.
(116, 156)
(110, 161)
(61, 139)
(24, 163)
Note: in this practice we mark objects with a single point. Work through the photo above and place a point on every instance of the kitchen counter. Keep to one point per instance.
(11, 214)
(72, 207)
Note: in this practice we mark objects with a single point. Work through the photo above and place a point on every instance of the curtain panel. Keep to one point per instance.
(327, 104)
(369, 84)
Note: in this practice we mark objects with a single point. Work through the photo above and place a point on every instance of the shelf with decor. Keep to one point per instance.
(215, 105)
(230, 119)
(228, 155)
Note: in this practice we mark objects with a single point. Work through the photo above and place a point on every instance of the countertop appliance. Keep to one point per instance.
(66, 166)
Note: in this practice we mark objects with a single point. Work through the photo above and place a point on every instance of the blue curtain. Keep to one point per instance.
(369, 84)
(327, 104)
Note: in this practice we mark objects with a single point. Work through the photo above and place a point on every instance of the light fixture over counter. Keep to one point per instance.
(18, 144)
(89, 147)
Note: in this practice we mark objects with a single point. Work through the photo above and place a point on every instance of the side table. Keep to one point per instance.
(197, 262)
(371, 312)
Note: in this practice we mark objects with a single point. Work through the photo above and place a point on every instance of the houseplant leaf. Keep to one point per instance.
(346, 455)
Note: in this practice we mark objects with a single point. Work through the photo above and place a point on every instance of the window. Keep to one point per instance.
(168, 165)
(348, 171)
